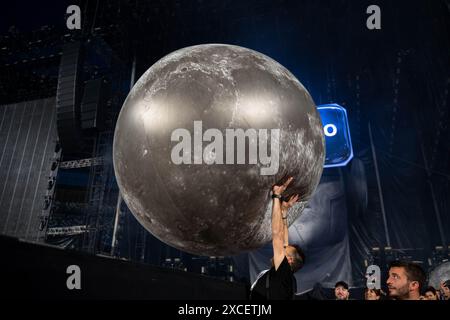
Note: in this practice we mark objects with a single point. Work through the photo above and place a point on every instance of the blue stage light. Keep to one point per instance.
(338, 143)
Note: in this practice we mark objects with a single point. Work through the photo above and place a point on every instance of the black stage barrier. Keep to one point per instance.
(34, 271)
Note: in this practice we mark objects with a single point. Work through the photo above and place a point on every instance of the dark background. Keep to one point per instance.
(395, 80)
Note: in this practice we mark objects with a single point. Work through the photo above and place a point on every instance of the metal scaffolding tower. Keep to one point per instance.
(98, 180)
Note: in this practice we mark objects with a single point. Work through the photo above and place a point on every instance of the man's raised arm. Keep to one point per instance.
(278, 225)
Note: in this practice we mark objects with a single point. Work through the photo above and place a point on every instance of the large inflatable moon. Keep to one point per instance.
(202, 137)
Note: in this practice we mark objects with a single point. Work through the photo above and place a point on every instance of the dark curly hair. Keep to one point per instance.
(299, 260)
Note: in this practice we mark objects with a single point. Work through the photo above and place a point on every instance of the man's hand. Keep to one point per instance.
(286, 205)
(279, 189)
